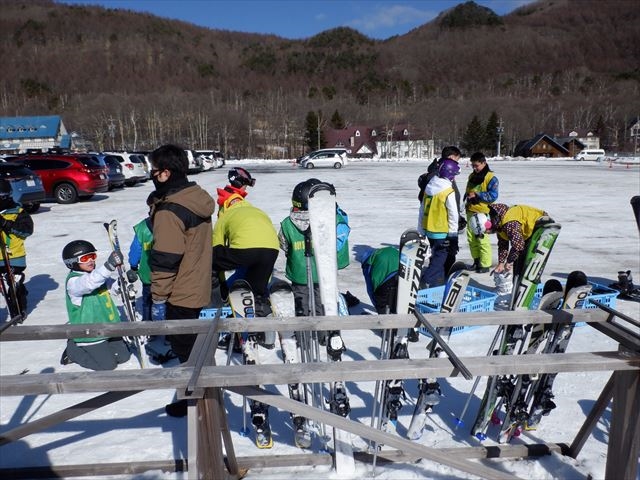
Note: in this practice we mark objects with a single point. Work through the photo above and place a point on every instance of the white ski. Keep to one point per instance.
(322, 221)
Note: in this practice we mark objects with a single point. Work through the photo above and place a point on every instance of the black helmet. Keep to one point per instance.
(5, 188)
(238, 177)
(300, 195)
(74, 250)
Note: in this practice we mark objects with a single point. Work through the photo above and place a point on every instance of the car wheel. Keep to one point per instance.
(337, 165)
(65, 193)
(309, 165)
(32, 207)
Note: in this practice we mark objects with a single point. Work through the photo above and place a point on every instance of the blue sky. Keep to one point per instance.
(296, 19)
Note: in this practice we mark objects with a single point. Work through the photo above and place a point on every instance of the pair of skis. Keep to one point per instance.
(515, 338)
(429, 391)
(413, 253)
(127, 290)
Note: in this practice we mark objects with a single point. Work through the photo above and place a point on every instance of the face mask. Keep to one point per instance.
(156, 183)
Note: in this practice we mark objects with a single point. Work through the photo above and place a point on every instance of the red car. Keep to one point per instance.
(67, 177)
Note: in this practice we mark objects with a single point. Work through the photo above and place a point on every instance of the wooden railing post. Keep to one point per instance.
(624, 434)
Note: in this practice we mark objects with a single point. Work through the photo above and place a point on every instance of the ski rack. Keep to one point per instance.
(209, 442)
(440, 341)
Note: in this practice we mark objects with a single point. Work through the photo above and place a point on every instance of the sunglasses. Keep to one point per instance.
(156, 171)
(87, 257)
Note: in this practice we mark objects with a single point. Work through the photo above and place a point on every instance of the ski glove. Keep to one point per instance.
(115, 260)
(158, 310)
(132, 276)
(462, 224)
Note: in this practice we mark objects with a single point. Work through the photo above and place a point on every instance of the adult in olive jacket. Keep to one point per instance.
(180, 260)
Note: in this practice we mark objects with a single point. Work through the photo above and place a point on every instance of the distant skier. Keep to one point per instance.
(89, 301)
(15, 226)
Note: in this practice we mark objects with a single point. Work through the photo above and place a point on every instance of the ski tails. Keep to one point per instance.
(515, 338)
(540, 398)
(413, 253)
(429, 389)
(127, 290)
(242, 304)
(283, 306)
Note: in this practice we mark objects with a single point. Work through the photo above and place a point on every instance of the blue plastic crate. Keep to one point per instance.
(475, 299)
(605, 295)
(210, 313)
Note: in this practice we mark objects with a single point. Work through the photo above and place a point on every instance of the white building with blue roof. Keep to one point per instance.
(20, 134)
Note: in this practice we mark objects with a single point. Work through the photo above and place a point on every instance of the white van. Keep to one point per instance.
(590, 154)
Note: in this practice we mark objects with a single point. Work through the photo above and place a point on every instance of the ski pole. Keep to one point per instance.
(477, 380)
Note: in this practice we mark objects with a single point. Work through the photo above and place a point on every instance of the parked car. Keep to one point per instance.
(589, 154)
(322, 152)
(195, 162)
(211, 159)
(114, 170)
(326, 158)
(67, 177)
(132, 166)
(26, 185)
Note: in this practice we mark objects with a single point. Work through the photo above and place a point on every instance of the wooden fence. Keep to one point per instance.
(200, 381)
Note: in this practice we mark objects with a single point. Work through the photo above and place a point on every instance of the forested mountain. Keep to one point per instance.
(551, 66)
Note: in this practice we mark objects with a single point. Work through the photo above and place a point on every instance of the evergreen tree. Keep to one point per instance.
(313, 128)
(336, 121)
(473, 138)
(491, 134)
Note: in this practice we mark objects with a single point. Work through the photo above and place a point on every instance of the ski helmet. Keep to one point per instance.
(239, 177)
(480, 224)
(72, 252)
(449, 169)
(300, 195)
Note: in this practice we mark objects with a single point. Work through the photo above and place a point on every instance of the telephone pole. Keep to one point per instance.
(499, 131)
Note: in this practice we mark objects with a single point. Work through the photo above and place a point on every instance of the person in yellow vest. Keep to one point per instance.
(440, 223)
(481, 191)
(15, 226)
(513, 226)
(89, 301)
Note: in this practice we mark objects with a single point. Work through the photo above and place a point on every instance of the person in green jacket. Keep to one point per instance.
(89, 301)
(292, 243)
(139, 251)
(380, 271)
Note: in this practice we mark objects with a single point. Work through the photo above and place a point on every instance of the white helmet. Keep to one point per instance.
(480, 224)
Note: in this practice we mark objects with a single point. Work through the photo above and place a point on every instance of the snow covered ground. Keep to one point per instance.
(599, 236)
